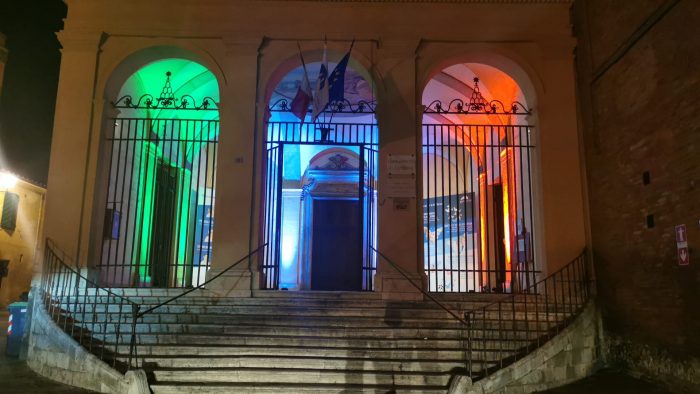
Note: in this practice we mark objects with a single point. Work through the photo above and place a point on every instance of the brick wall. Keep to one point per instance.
(642, 113)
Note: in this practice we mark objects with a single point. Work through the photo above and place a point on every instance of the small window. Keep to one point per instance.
(9, 211)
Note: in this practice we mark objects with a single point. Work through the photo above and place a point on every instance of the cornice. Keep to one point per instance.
(434, 1)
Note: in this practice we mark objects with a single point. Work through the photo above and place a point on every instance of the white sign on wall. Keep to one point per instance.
(401, 179)
(402, 164)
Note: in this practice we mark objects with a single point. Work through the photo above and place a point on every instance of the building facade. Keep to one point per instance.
(484, 201)
(20, 228)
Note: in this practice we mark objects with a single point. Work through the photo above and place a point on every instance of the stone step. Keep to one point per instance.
(301, 361)
(472, 303)
(286, 388)
(298, 375)
(510, 329)
(445, 320)
(456, 354)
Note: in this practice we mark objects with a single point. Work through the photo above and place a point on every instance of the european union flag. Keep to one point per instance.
(336, 81)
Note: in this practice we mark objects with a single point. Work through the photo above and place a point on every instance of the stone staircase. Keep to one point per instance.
(306, 342)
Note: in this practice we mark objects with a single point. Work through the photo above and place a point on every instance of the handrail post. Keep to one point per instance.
(132, 344)
(468, 319)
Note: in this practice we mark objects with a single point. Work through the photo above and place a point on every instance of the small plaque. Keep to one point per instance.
(404, 186)
(402, 165)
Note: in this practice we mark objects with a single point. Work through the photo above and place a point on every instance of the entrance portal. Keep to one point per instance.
(336, 252)
(319, 193)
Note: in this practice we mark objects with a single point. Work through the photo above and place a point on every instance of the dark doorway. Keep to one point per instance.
(336, 256)
(165, 202)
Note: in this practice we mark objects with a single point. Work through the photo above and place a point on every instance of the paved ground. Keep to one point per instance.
(16, 377)
(610, 381)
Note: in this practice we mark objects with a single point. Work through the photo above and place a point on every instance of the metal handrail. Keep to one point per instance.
(578, 296)
(201, 286)
(60, 282)
(582, 293)
(420, 288)
(50, 244)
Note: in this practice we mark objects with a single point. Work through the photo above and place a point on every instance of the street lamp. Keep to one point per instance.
(7, 180)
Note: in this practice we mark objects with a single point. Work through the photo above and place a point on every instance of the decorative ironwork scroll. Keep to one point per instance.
(166, 100)
(335, 107)
(477, 104)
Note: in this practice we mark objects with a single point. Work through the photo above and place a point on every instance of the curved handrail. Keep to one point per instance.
(420, 288)
(50, 244)
(201, 286)
(571, 306)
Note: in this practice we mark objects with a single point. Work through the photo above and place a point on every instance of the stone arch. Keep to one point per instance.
(287, 60)
(496, 145)
(146, 154)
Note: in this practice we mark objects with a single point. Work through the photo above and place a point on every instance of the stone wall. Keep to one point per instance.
(639, 88)
(572, 355)
(55, 355)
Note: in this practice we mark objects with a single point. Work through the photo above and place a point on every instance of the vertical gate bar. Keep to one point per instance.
(529, 167)
(104, 260)
(556, 304)
(361, 202)
(118, 333)
(449, 202)
(463, 264)
(278, 230)
(117, 203)
(215, 173)
(426, 206)
(475, 209)
(526, 263)
(435, 271)
(128, 253)
(125, 199)
(546, 306)
(180, 161)
(442, 211)
(537, 316)
(500, 334)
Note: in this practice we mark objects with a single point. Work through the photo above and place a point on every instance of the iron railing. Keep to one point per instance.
(478, 207)
(75, 303)
(285, 187)
(505, 331)
(159, 202)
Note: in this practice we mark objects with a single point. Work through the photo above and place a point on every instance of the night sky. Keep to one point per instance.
(29, 91)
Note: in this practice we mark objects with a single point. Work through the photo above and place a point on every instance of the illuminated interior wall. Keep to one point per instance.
(144, 140)
(492, 165)
(298, 157)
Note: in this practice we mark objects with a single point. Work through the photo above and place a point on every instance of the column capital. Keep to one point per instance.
(399, 48)
(243, 45)
(80, 40)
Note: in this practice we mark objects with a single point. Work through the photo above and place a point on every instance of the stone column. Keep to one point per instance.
(235, 170)
(397, 217)
(71, 141)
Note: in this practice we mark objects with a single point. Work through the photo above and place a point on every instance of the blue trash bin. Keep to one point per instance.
(15, 327)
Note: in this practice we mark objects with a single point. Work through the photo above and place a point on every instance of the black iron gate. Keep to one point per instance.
(159, 203)
(288, 136)
(477, 198)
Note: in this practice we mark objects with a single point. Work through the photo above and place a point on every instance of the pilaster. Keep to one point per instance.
(71, 140)
(397, 222)
(235, 169)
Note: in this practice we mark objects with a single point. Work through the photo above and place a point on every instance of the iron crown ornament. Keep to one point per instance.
(477, 104)
(166, 100)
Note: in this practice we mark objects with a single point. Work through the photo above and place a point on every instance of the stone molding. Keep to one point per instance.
(57, 356)
(573, 354)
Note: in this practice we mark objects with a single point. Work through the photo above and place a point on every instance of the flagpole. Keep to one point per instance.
(352, 44)
(306, 74)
